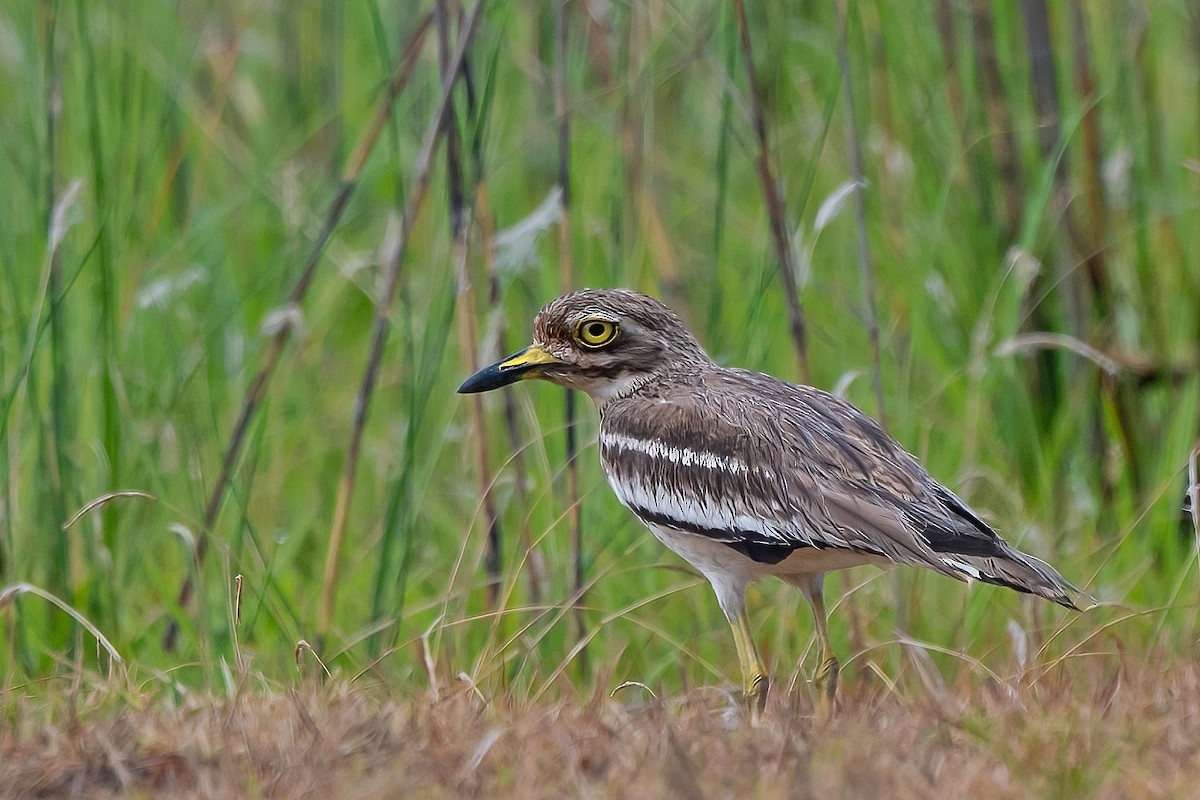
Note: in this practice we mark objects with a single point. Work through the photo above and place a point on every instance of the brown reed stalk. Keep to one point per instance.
(567, 280)
(640, 208)
(867, 276)
(1036, 18)
(774, 202)
(460, 228)
(1043, 77)
(978, 176)
(1089, 244)
(535, 564)
(1065, 280)
(949, 41)
(632, 127)
(257, 390)
(1093, 184)
(382, 322)
(1146, 73)
(1000, 126)
(599, 50)
(865, 266)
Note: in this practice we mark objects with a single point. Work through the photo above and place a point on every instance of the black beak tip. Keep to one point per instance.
(472, 385)
(485, 380)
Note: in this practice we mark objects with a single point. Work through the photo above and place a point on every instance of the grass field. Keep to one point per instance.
(252, 542)
(1124, 729)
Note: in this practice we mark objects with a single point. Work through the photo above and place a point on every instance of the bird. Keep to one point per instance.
(747, 476)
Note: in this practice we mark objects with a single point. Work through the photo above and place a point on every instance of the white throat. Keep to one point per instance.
(621, 387)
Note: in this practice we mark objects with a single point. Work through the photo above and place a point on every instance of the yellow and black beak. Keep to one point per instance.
(520, 365)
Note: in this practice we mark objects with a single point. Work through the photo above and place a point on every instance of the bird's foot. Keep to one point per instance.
(754, 694)
(826, 682)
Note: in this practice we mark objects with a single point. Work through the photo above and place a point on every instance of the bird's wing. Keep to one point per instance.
(746, 458)
(863, 487)
(769, 467)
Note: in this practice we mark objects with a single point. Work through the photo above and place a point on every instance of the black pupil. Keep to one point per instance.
(595, 330)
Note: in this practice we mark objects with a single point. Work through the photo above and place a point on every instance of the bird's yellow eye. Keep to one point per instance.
(595, 333)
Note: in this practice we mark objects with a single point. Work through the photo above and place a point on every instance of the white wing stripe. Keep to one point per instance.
(684, 456)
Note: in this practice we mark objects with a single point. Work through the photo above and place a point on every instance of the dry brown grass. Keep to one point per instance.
(1117, 729)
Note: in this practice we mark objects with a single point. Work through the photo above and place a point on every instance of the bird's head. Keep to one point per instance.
(601, 341)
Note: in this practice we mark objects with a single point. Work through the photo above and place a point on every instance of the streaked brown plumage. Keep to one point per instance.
(747, 476)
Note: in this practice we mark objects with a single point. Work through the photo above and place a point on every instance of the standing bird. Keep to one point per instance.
(745, 476)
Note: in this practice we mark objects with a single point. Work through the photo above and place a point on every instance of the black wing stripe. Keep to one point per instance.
(748, 543)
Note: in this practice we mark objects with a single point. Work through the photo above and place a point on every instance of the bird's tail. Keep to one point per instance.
(1022, 572)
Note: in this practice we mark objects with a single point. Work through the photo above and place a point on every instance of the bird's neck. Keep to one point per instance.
(619, 388)
(647, 383)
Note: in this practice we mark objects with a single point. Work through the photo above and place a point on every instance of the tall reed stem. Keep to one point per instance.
(776, 211)
(257, 390)
(382, 322)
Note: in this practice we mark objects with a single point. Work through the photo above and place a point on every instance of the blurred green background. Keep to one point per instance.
(1031, 185)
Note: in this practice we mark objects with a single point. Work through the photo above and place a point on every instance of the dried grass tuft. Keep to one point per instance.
(1102, 728)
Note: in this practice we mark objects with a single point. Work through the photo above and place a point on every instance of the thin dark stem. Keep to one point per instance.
(258, 385)
(568, 283)
(775, 206)
(1093, 183)
(1000, 127)
(1036, 17)
(478, 107)
(866, 272)
(981, 179)
(382, 322)
(560, 106)
(454, 178)
(860, 212)
(536, 565)
(949, 41)
(460, 216)
(1089, 245)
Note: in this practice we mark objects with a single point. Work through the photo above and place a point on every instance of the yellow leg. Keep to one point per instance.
(826, 679)
(754, 676)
